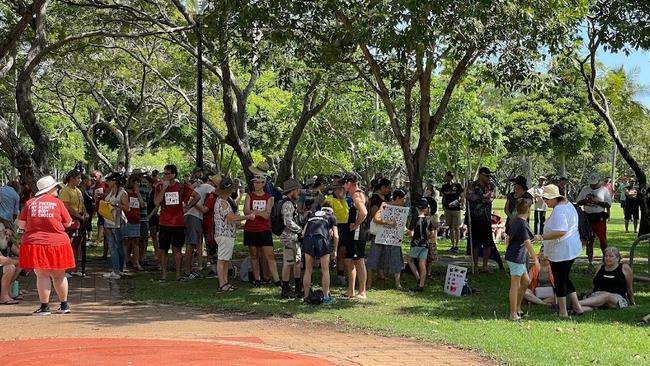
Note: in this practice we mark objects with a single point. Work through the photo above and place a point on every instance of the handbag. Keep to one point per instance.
(106, 210)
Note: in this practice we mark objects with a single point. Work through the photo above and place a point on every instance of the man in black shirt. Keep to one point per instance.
(317, 244)
(452, 202)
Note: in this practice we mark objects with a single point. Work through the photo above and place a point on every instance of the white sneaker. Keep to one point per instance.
(112, 276)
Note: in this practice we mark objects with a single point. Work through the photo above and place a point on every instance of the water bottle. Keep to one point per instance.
(15, 289)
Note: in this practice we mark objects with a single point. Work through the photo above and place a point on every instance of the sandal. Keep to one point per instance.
(227, 287)
(10, 302)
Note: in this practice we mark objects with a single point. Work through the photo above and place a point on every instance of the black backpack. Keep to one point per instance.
(277, 221)
(315, 297)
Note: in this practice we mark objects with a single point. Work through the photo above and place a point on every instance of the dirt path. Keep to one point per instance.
(98, 312)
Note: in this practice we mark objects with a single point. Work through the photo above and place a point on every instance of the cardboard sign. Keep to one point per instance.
(259, 205)
(392, 235)
(134, 202)
(172, 198)
(455, 280)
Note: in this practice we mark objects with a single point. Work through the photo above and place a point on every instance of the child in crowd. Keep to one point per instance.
(519, 247)
(422, 235)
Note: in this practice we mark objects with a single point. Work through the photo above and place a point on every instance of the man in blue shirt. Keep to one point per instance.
(9, 202)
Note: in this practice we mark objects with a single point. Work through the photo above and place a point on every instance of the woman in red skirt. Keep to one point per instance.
(45, 246)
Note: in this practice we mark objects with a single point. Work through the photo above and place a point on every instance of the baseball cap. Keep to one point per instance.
(594, 178)
(486, 171)
(422, 204)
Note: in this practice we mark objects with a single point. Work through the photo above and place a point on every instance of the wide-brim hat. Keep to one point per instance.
(337, 184)
(290, 185)
(541, 177)
(261, 168)
(138, 171)
(215, 179)
(227, 185)
(259, 178)
(551, 191)
(46, 184)
(521, 181)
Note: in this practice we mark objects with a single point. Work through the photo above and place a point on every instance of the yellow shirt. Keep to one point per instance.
(340, 208)
(73, 197)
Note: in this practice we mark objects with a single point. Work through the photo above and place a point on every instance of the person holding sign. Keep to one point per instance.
(117, 197)
(257, 233)
(389, 237)
(45, 246)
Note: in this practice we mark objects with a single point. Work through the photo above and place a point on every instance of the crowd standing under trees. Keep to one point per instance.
(453, 85)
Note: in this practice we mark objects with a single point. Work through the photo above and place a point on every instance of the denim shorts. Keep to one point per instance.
(516, 269)
(419, 252)
(132, 230)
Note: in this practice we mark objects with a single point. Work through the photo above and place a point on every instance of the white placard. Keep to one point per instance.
(259, 205)
(172, 198)
(455, 280)
(392, 235)
(134, 202)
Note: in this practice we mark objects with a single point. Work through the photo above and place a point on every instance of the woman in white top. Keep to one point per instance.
(114, 229)
(562, 246)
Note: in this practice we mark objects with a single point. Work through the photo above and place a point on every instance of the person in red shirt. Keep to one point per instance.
(45, 246)
(132, 232)
(257, 233)
(169, 196)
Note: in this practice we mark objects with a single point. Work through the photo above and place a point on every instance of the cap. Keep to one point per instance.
(350, 178)
(114, 176)
(541, 177)
(563, 178)
(594, 178)
(422, 204)
(449, 174)
(290, 185)
(486, 171)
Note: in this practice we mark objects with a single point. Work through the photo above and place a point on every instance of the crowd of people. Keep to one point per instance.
(326, 223)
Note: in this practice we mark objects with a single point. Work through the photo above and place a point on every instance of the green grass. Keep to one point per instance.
(477, 322)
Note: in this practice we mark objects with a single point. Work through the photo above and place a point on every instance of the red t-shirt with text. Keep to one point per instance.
(45, 216)
(133, 216)
(258, 203)
(171, 208)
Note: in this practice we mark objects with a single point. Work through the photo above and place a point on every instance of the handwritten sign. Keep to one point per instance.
(172, 198)
(259, 205)
(455, 280)
(134, 202)
(392, 235)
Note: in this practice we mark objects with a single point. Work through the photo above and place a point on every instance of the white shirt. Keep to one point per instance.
(536, 192)
(601, 193)
(563, 218)
(203, 190)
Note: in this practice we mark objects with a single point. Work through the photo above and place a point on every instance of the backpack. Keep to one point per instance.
(315, 297)
(277, 221)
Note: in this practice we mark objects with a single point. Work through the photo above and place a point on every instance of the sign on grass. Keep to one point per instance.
(455, 280)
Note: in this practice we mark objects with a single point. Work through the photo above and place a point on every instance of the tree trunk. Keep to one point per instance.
(563, 164)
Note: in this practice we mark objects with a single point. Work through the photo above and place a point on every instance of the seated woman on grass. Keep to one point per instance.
(612, 284)
(542, 283)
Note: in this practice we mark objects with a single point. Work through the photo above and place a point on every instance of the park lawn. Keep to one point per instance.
(476, 322)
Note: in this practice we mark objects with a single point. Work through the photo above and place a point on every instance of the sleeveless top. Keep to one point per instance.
(362, 231)
(258, 203)
(611, 281)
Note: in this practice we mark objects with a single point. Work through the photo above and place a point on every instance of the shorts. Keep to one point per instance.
(599, 230)
(193, 230)
(621, 302)
(291, 253)
(516, 269)
(345, 235)
(316, 246)
(435, 219)
(386, 257)
(100, 220)
(632, 212)
(225, 247)
(419, 253)
(258, 239)
(154, 220)
(481, 234)
(452, 218)
(169, 236)
(355, 249)
(132, 230)
(144, 229)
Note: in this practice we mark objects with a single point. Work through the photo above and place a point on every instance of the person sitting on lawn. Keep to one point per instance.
(320, 238)
(498, 227)
(422, 234)
(519, 247)
(612, 284)
(7, 276)
(542, 282)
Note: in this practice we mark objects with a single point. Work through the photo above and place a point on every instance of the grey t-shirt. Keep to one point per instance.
(519, 232)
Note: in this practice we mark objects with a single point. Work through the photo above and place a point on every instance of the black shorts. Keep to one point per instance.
(258, 239)
(100, 220)
(481, 234)
(632, 211)
(154, 220)
(345, 235)
(171, 236)
(355, 249)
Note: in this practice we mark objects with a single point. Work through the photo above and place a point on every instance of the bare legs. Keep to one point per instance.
(356, 269)
(44, 280)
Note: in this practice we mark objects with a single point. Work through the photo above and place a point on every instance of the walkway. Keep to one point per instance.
(99, 312)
